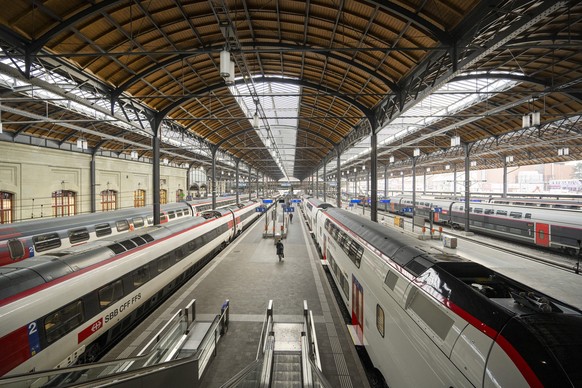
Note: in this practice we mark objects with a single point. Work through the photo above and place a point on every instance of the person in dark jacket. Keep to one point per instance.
(280, 249)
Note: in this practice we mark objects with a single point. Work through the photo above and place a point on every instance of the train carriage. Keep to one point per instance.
(547, 227)
(432, 319)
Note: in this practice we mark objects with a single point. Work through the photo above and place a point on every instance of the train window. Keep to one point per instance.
(44, 242)
(78, 235)
(16, 248)
(141, 276)
(178, 213)
(61, 322)
(164, 262)
(488, 211)
(116, 248)
(391, 279)
(138, 222)
(122, 225)
(380, 320)
(355, 253)
(478, 210)
(150, 220)
(528, 215)
(501, 212)
(171, 215)
(110, 293)
(138, 240)
(163, 218)
(461, 208)
(102, 230)
(148, 237)
(515, 214)
(438, 321)
(128, 244)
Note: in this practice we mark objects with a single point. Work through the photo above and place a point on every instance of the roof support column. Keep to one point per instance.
(414, 158)
(504, 177)
(467, 148)
(250, 189)
(236, 178)
(92, 178)
(338, 184)
(385, 187)
(156, 123)
(213, 177)
(324, 180)
(316, 193)
(454, 180)
(257, 184)
(374, 176)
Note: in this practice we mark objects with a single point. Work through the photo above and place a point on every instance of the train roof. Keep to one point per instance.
(319, 203)
(44, 225)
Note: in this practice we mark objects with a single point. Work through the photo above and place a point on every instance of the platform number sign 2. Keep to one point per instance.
(33, 338)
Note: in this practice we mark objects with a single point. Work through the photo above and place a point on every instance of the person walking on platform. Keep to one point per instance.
(280, 249)
(290, 218)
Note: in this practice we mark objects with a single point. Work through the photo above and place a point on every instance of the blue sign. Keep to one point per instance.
(438, 209)
(33, 338)
(384, 201)
(406, 210)
(295, 200)
(267, 200)
(289, 209)
(260, 209)
(354, 201)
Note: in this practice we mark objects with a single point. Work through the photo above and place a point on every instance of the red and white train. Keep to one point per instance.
(19, 241)
(58, 308)
(438, 320)
(548, 227)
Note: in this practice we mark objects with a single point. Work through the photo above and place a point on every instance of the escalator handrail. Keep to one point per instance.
(266, 329)
(266, 371)
(306, 376)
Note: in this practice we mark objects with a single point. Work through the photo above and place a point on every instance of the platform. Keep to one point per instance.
(249, 274)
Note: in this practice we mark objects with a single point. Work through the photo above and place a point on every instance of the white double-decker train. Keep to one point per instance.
(437, 320)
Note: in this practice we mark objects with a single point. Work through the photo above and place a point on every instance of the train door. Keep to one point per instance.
(542, 234)
(358, 308)
(324, 253)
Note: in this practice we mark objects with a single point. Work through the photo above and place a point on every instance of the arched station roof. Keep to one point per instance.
(102, 70)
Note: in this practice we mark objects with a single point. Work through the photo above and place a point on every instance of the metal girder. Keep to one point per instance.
(416, 20)
(506, 142)
(427, 77)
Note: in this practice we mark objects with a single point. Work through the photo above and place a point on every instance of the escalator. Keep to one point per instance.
(287, 357)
